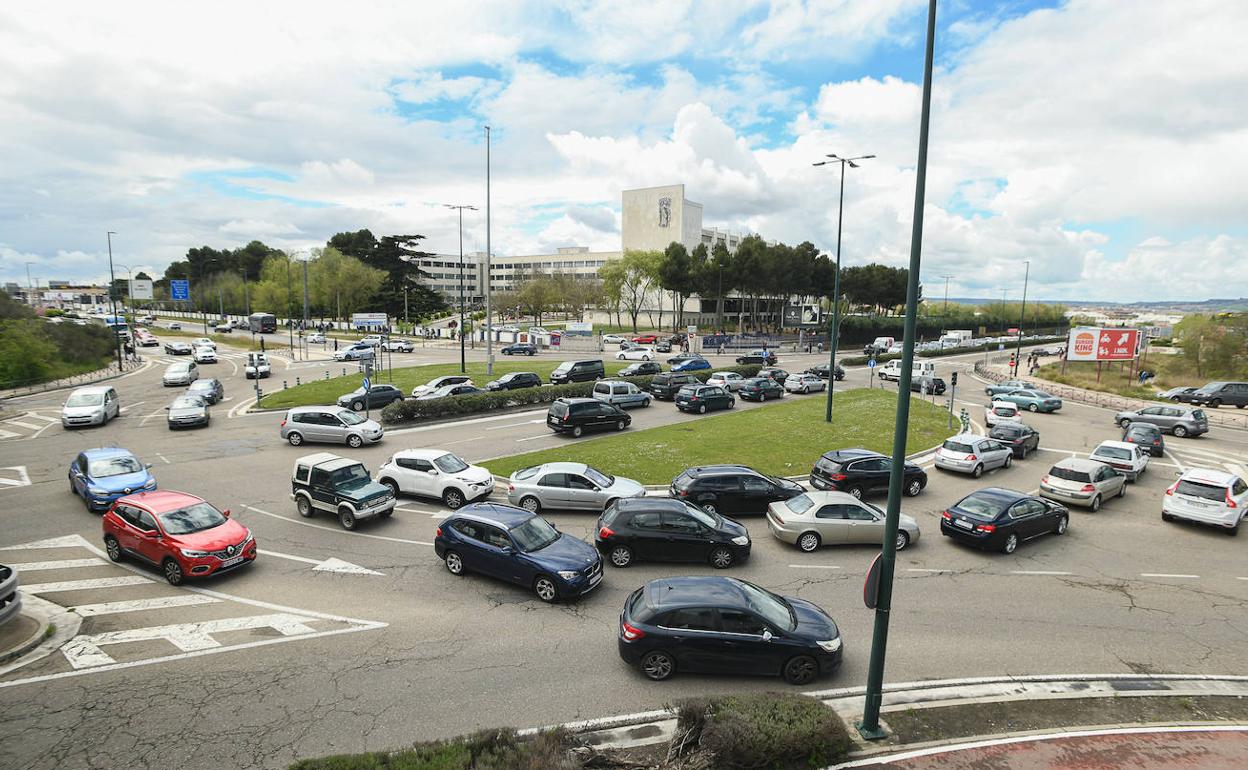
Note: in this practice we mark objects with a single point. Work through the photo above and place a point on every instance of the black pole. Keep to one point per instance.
(463, 360)
(112, 299)
(869, 727)
(834, 332)
(1018, 349)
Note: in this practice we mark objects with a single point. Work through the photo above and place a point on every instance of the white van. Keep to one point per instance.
(892, 369)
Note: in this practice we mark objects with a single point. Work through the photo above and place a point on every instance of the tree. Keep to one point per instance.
(26, 354)
(675, 274)
(634, 276)
(394, 255)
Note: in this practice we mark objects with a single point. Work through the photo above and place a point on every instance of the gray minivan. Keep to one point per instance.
(621, 393)
(332, 424)
(1216, 394)
(1172, 418)
(578, 371)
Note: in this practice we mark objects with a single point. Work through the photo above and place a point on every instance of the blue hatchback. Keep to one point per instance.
(100, 476)
(514, 545)
(691, 365)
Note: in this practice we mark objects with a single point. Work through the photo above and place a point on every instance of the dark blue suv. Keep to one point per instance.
(511, 544)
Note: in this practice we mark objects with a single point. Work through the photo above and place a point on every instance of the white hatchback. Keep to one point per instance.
(204, 355)
(1131, 460)
(1207, 496)
(636, 354)
(1001, 411)
(730, 381)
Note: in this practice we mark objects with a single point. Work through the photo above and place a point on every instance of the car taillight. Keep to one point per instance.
(970, 457)
(511, 487)
(605, 532)
(1156, 441)
(1173, 487)
(946, 515)
(987, 529)
(566, 416)
(1088, 488)
(283, 425)
(838, 477)
(1230, 503)
(630, 633)
(682, 492)
(438, 532)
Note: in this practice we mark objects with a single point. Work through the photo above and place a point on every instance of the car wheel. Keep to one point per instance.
(453, 498)
(346, 518)
(709, 508)
(645, 358)
(114, 548)
(1166, 517)
(1024, 454)
(1033, 408)
(658, 665)
(914, 488)
(856, 491)
(173, 572)
(732, 402)
(544, 587)
(531, 504)
(1095, 505)
(1180, 431)
(454, 564)
(391, 485)
(357, 406)
(721, 558)
(701, 408)
(1215, 403)
(620, 425)
(1122, 491)
(805, 390)
(808, 542)
(354, 441)
(1009, 460)
(621, 556)
(1124, 422)
(903, 540)
(977, 471)
(1011, 543)
(1062, 523)
(762, 397)
(646, 402)
(304, 506)
(577, 431)
(801, 670)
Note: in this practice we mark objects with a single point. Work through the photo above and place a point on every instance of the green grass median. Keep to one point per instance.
(781, 439)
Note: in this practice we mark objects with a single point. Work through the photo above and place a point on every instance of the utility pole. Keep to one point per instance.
(869, 727)
(463, 355)
(246, 296)
(112, 297)
(834, 331)
(946, 310)
(30, 285)
(305, 295)
(489, 324)
(1018, 349)
(290, 322)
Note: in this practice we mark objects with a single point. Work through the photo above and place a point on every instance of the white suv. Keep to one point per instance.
(436, 473)
(1209, 497)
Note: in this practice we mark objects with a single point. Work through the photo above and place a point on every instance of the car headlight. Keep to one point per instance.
(832, 645)
(150, 484)
(193, 554)
(741, 540)
(568, 574)
(97, 490)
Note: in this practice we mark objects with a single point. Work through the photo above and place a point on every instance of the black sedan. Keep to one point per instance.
(821, 371)
(999, 519)
(1021, 438)
(680, 358)
(663, 346)
(1146, 435)
(520, 349)
(641, 369)
(764, 357)
(515, 381)
(177, 348)
(374, 398)
(760, 389)
(663, 529)
(720, 625)
(774, 373)
(209, 389)
(933, 385)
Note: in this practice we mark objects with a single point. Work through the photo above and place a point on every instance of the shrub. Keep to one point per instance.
(767, 730)
(485, 750)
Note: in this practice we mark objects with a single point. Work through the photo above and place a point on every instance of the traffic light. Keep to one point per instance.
(953, 378)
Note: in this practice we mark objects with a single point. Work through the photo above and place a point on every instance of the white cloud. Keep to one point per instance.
(842, 29)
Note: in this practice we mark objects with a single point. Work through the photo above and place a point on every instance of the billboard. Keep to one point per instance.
(579, 328)
(1090, 343)
(140, 289)
(369, 320)
(802, 316)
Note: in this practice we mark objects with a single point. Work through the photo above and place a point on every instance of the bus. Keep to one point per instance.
(265, 323)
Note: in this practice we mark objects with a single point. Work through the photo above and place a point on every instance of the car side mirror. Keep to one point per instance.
(226, 513)
(147, 466)
(432, 471)
(166, 409)
(767, 636)
(151, 534)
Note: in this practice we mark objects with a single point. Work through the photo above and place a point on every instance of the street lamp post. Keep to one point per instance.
(1018, 349)
(834, 331)
(463, 355)
(489, 332)
(112, 298)
(946, 310)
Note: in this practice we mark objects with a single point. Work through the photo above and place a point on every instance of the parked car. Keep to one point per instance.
(209, 389)
(1128, 459)
(204, 355)
(1008, 386)
(640, 370)
(720, 625)
(316, 338)
(435, 473)
(10, 598)
(999, 519)
(821, 371)
(441, 382)
(928, 384)
(692, 365)
(861, 472)
(804, 383)
(816, 519)
(646, 339)
(516, 546)
(780, 375)
(515, 381)
(1022, 439)
(730, 381)
(375, 397)
(100, 476)
(1182, 421)
(568, 486)
(188, 411)
(177, 349)
(92, 405)
(357, 352)
(703, 398)
(329, 424)
(731, 489)
(764, 357)
(620, 393)
(612, 339)
(577, 371)
(1207, 496)
(1146, 435)
(973, 454)
(327, 482)
(462, 389)
(667, 384)
(577, 415)
(1031, 400)
(257, 367)
(182, 535)
(520, 349)
(1180, 395)
(1216, 394)
(662, 529)
(636, 354)
(682, 357)
(538, 330)
(760, 389)
(395, 345)
(999, 412)
(663, 346)
(1075, 481)
(181, 373)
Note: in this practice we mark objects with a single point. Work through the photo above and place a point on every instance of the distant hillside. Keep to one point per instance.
(1177, 306)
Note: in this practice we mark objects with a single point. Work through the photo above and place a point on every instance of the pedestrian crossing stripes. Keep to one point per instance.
(26, 424)
(84, 650)
(83, 585)
(138, 605)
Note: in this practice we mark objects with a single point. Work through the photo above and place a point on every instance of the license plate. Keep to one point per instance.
(963, 524)
(552, 421)
(231, 562)
(594, 580)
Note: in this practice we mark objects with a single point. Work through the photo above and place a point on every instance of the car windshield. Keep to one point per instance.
(957, 446)
(1118, 453)
(177, 368)
(350, 474)
(350, 418)
(982, 506)
(187, 402)
(701, 516)
(193, 518)
(85, 399)
(1069, 474)
(357, 392)
(449, 463)
(562, 368)
(599, 478)
(772, 608)
(535, 534)
(1203, 491)
(800, 504)
(113, 466)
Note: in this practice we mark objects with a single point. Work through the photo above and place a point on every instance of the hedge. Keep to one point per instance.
(411, 410)
(768, 730)
(485, 750)
(862, 360)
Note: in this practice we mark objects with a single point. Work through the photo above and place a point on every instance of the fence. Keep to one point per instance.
(99, 375)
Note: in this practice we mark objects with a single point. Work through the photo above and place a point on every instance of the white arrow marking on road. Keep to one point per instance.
(22, 480)
(68, 541)
(328, 565)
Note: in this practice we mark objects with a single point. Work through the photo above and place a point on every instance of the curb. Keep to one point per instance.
(41, 645)
(28, 644)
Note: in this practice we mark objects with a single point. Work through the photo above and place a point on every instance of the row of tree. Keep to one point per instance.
(33, 350)
(1214, 345)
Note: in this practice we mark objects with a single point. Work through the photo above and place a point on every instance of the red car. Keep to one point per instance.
(181, 534)
(646, 339)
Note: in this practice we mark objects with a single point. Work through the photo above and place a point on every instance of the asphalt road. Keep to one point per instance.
(288, 659)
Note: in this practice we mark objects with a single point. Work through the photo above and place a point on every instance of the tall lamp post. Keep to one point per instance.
(489, 331)
(1018, 349)
(463, 356)
(129, 286)
(835, 330)
(112, 297)
(946, 310)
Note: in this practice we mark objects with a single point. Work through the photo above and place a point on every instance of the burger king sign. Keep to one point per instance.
(1088, 343)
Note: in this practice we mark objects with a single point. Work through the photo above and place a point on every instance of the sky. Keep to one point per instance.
(1104, 141)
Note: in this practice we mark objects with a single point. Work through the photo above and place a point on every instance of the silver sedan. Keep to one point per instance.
(814, 519)
(574, 486)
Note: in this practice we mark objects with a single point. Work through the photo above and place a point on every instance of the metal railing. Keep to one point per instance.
(86, 378)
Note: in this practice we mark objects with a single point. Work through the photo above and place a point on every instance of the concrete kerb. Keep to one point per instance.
(40, 644)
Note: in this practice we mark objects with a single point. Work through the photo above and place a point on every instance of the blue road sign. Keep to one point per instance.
(871, 363)
(180, 290)
(367, 384)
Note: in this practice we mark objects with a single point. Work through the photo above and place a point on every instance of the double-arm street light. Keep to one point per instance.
(835, 329)
(463, 360)
(1018, 349)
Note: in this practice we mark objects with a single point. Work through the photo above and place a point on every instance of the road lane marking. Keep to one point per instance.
(534, 438)
(165, 459)
(23, 425)
(814, 566)
(8, 434)
(516, 425)
(926, 569)
(34, 566)
(22, 479)
(242, 406)
(332, 529)
(460, 423)
(128, 407)
(1182, 468)
(140, 605)
(83, 585)
(1168, 575)
(1037, 572)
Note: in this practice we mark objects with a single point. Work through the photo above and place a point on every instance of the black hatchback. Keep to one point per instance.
(999, 519)
(721, 625)
(640, 369)
(760, 389)
(663, 529)
(731, 489)
(577, 415)
(861, 472)
(520, 349)
(821, 371)
(515, 381)
(1146, 435)
(703, 398)
(667, 384)
(1022, 438)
